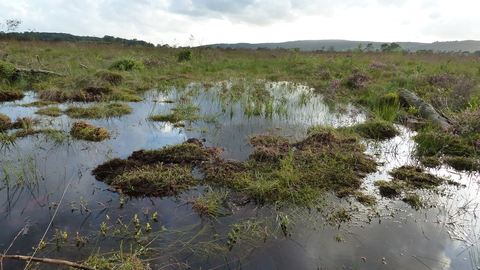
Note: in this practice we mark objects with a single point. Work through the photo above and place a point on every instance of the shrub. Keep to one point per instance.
(357, 81)
(7, 70)
(126, 64)
(184, 55)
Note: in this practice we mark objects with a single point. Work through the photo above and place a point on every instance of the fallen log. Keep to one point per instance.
(426, 110)
(37, 71)
(45, 260)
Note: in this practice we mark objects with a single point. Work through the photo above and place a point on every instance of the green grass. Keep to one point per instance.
(98, 111)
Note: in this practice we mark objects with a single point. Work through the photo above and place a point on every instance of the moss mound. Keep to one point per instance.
(85, 131)
(113, 78)
(462, 163)
(416, 177)
(277, 170)
(11, 95)
(159, 172)
(377, 129)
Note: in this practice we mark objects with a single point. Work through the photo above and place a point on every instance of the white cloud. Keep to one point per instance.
(254, 21)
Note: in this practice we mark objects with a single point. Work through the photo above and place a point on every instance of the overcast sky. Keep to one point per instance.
(174, 22)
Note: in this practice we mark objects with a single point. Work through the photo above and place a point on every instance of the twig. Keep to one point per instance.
(83, 66)
(45, 260)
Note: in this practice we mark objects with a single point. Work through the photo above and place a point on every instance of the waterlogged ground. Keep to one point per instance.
(49, 197)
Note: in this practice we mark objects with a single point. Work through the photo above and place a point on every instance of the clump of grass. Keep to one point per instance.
(180, 113)
(112, 78)
(159, 172)
(296, 172)
(5, 122)
(126, 64)
(39, 103)
(10, 95)
(431, 162)
(99, 111)
(339, 216)
(390, 188)
(95, 93)
(55, 94)
(85, 131)
(416, 177)
(365, 199)
(377, 129)
(462, 163)
(124, 95)
(50, 111)
(414, 201)
(208, 204)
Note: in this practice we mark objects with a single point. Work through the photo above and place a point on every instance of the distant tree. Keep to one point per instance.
(392, 47)
(369, 47)
(384, 47)
(331, 48)
(10, 25)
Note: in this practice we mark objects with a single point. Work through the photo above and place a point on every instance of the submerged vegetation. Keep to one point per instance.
(287, 175)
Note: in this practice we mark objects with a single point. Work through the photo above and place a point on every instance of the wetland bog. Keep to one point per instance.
(237, 160)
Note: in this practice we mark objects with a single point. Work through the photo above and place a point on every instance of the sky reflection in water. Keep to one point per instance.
(405, 238)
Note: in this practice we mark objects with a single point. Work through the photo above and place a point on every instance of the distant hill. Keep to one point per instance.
(57, 37)
(346, 45)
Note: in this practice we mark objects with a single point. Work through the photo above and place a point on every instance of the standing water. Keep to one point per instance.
(50, 200)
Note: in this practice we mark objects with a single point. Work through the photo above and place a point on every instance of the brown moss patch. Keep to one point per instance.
(94, 93)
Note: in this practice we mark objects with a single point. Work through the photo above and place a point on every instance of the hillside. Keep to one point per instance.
(345, 45)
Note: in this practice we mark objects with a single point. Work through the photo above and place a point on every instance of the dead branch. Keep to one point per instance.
(45, 260)
(38, 71)
(426, 110)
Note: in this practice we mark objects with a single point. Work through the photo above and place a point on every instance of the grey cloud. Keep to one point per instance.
(258, 12)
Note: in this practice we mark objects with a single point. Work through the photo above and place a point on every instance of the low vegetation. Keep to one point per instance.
(84, 131)
(296, 173)
(94, 81)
